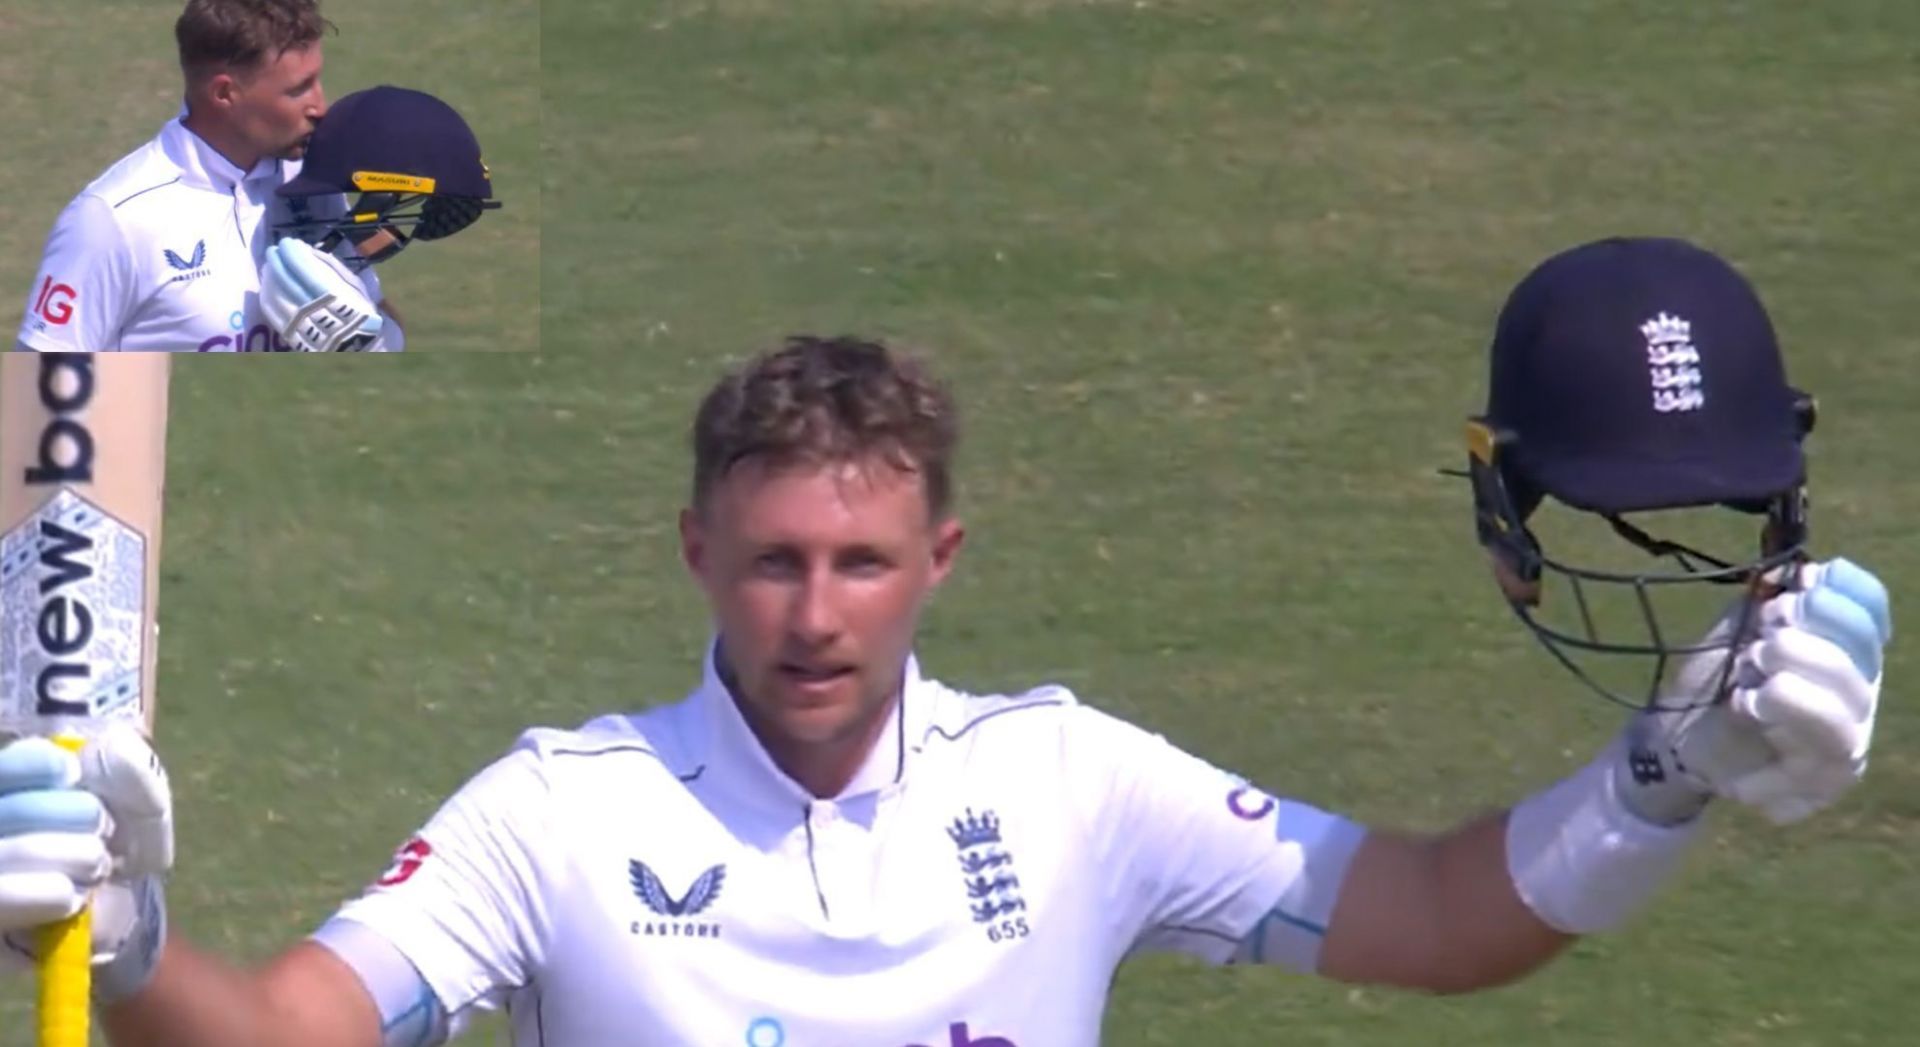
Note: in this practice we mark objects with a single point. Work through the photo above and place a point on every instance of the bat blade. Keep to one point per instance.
(82, 474)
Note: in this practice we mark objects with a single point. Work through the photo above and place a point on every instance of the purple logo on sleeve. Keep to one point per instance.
(1250, 804)
(768, 1032)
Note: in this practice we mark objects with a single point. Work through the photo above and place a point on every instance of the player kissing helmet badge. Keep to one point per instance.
(1632, 375)
(411, 159)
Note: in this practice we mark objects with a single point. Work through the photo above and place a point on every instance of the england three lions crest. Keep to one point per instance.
(1673, 364)
(986, 868)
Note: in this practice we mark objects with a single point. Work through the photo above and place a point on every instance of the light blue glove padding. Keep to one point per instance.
(314, 302)
(53, 845)
(1848, 606)
(37, 791)
(88, 829)
(36, 763)
(40, 810)
(1793, 733)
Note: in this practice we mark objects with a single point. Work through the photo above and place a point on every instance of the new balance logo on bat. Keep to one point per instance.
(66, 444)
(82, 570)
(65, 556)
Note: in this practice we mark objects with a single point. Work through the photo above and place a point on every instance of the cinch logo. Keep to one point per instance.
(55, 303)
(1250, 804)
(64, 624)
(259, 338)
(958, 1036)
(768, 1032)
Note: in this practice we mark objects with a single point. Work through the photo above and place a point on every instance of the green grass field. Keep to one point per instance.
(87, 82)
(1214, 280)
(1217, 277)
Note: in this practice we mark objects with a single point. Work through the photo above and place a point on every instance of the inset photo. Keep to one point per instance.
(271, 176)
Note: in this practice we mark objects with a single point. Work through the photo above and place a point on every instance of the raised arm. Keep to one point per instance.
(306, 997)
(452, 928)
(1501, 895)
(99, 827)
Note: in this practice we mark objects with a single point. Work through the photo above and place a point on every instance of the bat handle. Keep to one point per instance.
(66, 967)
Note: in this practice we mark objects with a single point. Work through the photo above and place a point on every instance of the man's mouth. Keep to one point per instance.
(814, 673)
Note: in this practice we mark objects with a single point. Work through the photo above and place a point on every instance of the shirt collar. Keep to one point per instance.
(736, 753)
(202, 165)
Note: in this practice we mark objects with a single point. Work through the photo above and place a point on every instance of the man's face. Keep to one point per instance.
(276, 107)
(816, 576)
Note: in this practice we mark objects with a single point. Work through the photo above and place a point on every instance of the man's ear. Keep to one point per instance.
(948, 536)
(693, 542)
(223, 89)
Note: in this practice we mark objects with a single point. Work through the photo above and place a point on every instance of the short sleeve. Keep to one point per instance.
(1199, 860)
(465, 899)
(84, 293)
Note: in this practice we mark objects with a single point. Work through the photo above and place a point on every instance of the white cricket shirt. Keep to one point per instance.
(163, 253)
(654, 879)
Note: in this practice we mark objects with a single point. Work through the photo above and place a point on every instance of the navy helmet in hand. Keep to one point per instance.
(1630, 375)
(408, 159)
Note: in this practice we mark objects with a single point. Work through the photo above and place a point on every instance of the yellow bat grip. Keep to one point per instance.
(66, 968)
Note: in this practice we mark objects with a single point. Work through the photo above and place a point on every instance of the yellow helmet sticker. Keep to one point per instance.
(387, 182)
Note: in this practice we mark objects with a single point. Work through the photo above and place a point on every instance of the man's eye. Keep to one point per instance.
(774, 563)
(864, 563)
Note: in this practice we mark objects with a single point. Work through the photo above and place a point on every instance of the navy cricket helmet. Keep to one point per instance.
(1631, 375)
(408, 159)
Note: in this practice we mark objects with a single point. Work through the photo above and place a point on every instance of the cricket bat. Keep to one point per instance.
(82, 467)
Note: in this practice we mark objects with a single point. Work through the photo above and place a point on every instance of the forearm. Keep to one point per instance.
(1488, 935)
(193, 999)
(1458, 923)
(1496, 898)
(198, 1000)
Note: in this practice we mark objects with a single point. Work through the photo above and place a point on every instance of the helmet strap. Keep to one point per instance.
(1498, 521)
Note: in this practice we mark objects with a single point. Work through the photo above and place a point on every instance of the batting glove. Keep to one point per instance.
(1792, 734)
(315, 302)
(94, 828)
